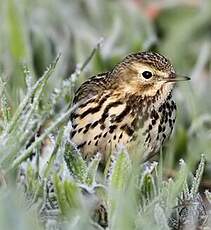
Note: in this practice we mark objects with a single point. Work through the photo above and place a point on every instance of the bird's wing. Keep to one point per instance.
(92, 87)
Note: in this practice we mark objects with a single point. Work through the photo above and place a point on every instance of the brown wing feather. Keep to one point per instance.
(92, 86)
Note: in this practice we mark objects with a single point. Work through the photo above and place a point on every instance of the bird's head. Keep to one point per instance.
(146, 73)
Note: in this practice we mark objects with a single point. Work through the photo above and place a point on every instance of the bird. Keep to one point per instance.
(130, 105)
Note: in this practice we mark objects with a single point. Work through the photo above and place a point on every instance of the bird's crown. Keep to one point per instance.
(155, 60)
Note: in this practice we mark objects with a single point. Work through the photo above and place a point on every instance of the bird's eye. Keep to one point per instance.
(147, 74)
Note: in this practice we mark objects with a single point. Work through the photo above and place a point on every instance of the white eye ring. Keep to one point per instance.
(147, 74)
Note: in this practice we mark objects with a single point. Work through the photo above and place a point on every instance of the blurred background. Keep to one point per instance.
(34, 32)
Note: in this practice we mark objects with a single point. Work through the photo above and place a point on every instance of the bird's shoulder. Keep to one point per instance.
(93, 86)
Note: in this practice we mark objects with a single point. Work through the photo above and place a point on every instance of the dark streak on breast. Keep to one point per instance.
(72, 134)
(107, 108)
(81, 145)
(121, 116)
(127, 129)
(94, 124)
(112, 128)
(87, 128)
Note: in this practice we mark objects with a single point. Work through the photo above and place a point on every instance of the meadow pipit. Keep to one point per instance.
(130, 105)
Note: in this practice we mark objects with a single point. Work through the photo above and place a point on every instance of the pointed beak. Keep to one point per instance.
(178, 78)
(175, 78)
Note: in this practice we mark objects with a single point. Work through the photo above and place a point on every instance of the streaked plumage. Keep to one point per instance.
(126, 106)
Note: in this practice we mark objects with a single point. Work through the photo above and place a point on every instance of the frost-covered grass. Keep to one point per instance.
(57, 189)
(68, 193)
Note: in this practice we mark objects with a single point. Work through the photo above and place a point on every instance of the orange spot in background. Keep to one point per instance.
(152, 11)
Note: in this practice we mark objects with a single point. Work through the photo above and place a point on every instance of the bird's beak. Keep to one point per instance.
(178, 78)
(175, 78)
